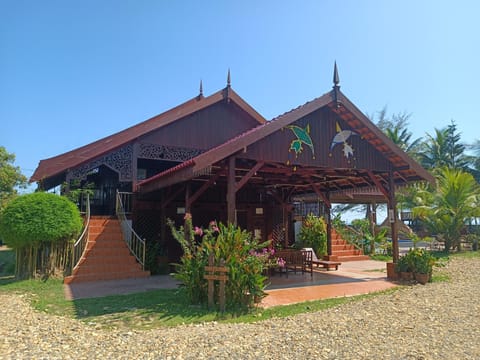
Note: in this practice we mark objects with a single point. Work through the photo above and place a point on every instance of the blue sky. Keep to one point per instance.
(72, 72)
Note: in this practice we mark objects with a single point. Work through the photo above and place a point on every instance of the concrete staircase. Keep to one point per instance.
(107, 256)
(343, 251)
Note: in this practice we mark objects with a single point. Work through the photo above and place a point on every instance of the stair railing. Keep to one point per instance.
(348, 233)
(134, 242)
(81, 244)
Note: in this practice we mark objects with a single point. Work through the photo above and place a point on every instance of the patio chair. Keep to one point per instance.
(327, 264)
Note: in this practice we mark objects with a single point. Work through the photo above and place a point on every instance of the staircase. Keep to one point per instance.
(107, 256)
(343, 251)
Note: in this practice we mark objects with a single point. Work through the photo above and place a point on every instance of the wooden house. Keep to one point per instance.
(218, 159)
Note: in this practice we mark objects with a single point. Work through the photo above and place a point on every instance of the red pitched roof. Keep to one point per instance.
(58, 164)
(407, 168)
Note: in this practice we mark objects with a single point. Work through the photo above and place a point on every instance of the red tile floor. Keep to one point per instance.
(352, 278)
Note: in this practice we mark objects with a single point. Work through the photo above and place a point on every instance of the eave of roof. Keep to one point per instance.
(58, 164)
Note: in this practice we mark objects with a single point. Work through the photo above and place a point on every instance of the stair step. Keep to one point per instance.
(95, 260)
(106, 276)
(342, 247)
(107, 256)
(101, 251)
(353, 258)
(105, 243)
(347, 252)
(105, 269)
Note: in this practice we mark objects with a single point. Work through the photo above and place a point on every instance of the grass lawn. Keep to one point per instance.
(166, 307)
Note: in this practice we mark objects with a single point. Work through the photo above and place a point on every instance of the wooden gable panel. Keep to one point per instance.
(204, 129)
(331, 143)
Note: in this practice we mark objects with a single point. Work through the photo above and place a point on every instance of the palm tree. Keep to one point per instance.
(446, 210)
(444, 149)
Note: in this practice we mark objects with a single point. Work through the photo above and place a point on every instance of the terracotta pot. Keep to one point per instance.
(391, 273)
(422, 278)
(408, 276)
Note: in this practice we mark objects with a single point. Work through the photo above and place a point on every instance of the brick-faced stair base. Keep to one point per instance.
(107, 256)
(343, 251)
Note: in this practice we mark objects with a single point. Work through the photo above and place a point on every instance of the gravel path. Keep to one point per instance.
(435, 321)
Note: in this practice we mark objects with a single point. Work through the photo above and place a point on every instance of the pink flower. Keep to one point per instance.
(187, 216)
(215, 229)
(198, 231)
(281, 262)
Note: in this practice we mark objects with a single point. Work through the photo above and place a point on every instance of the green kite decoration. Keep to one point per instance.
(303, 137)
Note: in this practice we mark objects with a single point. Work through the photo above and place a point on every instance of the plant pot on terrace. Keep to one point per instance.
(422, 278)
(404, 269)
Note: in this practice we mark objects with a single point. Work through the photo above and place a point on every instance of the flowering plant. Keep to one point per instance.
(268, 258)
(229, 244)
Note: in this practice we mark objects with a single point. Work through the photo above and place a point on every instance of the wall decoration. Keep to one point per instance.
(341, 137)
(302, 137)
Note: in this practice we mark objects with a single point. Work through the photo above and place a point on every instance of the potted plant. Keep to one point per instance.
(424, 262)
(404, 268)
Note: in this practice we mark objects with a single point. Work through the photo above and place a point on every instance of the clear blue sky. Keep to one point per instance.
(72, 72)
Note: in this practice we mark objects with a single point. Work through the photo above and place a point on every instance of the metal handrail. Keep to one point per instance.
(134, 242)
(349, 240)
(80, 245)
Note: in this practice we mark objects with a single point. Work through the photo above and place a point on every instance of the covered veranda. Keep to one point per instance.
(324, 147)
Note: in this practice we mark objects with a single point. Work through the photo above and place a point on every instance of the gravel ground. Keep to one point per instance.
(435, 321)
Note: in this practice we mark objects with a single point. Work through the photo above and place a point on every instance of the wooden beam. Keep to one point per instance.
(203, 188)
(172, 196)
(379, 185)
(248, 175)
(325, 198)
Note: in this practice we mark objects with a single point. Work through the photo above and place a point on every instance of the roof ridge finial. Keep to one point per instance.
(336, 87)
(336, 78)
(200, 95)
(228, 78)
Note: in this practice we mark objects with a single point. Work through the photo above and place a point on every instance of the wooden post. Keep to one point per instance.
(211, 285)
(221, 288)
(216, 273)
(328, 215)
(231, 191)
(392, 216)
(187, 199)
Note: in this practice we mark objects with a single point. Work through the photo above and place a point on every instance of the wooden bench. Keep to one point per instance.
(326, 264)
(296, 260)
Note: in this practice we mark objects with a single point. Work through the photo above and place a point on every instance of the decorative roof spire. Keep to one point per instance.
(336, 79)
(336, 87)
(200, 95)
(228, 78)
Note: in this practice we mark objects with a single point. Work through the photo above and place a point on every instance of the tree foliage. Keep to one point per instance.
(313, 234)
(444, 149)
(447, 209)
(39, 226)
(11, 177)
(396, 129)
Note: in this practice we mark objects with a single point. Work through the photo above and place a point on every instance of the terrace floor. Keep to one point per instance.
(352, 278)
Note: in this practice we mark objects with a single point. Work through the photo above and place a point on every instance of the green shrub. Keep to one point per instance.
(38, 218)
(313, 234)
(39, 227)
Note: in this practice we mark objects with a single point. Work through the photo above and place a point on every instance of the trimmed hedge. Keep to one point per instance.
(37, 218)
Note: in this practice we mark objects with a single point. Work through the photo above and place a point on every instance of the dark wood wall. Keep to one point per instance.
(322, 123)
(205, 129)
